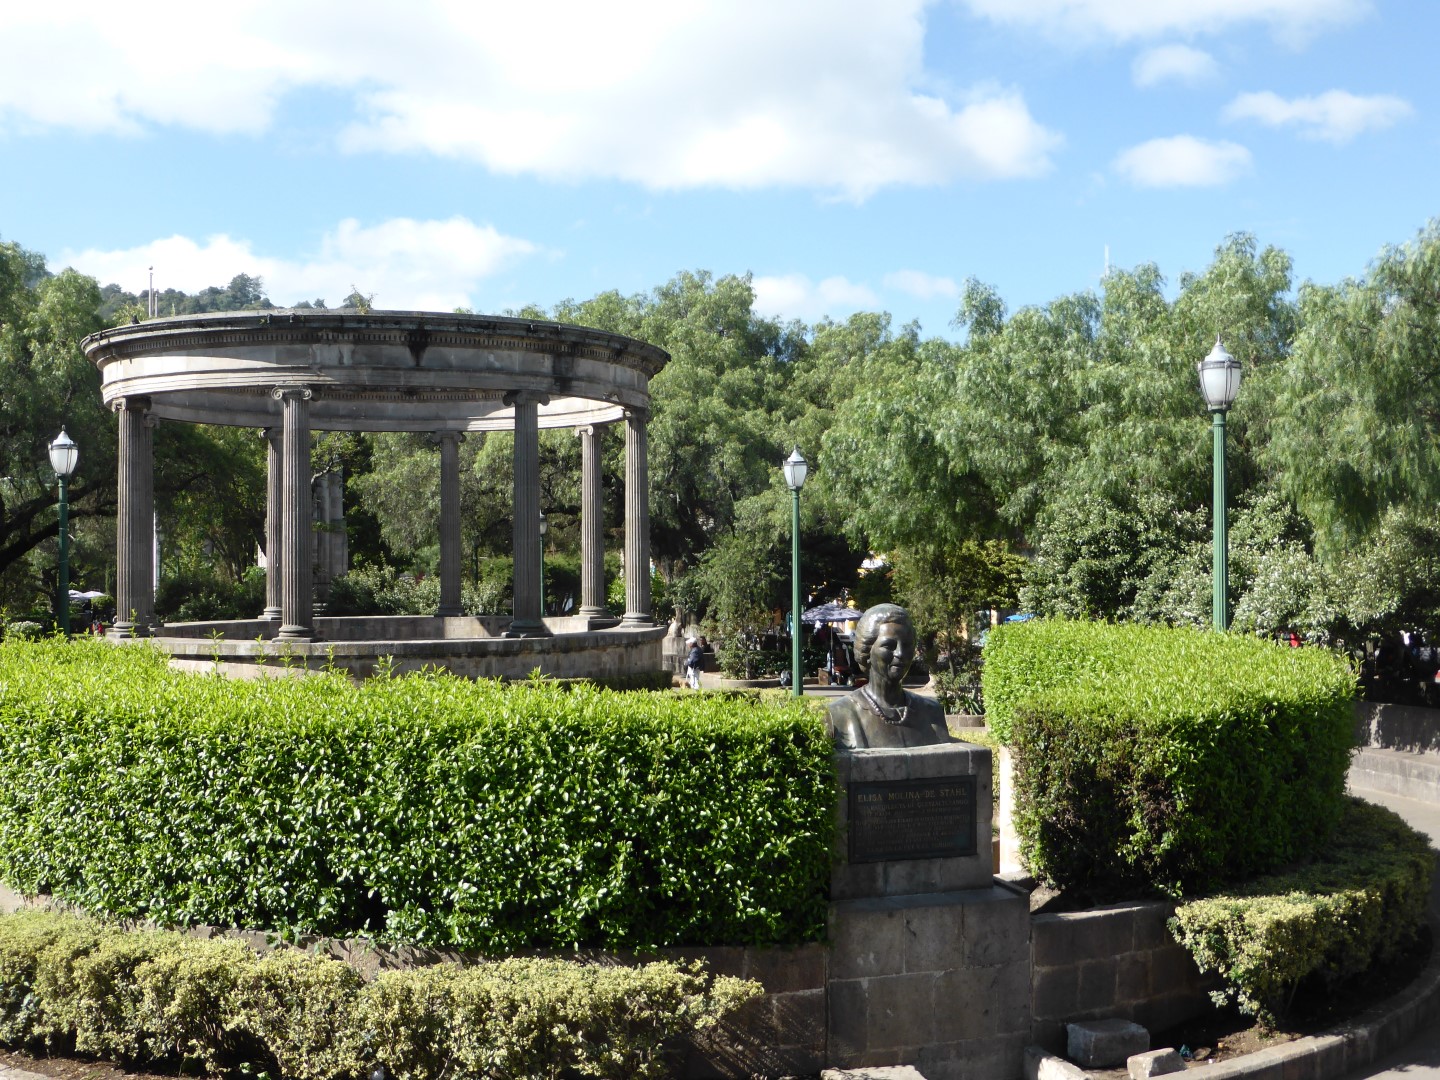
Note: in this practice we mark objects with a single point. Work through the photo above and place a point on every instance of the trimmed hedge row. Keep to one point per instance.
(1359, 904)
(163, 1000)
(422, 809)
(1169, 760)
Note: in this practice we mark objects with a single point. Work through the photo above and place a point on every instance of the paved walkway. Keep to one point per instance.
(1420, 1058)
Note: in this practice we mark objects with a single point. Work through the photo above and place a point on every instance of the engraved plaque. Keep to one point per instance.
(912, 819)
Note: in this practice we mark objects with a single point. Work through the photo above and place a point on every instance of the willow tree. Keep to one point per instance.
(1357, 415)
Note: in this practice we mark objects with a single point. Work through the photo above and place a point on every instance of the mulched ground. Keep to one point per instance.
(63, 1068)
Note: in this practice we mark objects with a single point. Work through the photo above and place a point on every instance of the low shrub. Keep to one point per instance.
(423, 809)
(200, 594)
(186, 994)
(521, 1017)
(306, 1011)
(959, 692)
(386, 590)
(1150, 759)
(159, 999)
(1359, 903)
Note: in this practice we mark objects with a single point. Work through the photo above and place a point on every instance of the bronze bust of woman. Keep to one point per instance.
(881, 714)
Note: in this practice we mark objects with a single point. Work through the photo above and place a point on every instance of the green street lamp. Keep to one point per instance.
(796, 469)
(1219, 383)
(64, 455)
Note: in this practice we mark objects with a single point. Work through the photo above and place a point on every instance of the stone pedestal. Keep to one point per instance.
(930, 957)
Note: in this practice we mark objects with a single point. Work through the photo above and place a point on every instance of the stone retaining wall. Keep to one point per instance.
(1112, 962)
(1399, 751)
(1407, 728)
(1396, 773)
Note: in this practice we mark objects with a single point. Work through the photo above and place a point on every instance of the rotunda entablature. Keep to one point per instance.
(379, 371)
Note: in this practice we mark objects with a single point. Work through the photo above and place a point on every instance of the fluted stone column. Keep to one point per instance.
(637, 520)
(274, 520)
(528, 618)
(592, 526)
(297, 599)
(449, 443)
(135, 520)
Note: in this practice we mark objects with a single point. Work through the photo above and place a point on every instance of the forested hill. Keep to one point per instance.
(244, 293)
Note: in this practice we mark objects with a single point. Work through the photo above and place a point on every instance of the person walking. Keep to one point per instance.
(694, 662)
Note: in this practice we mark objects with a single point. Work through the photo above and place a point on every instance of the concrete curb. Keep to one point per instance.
(1352, 1045)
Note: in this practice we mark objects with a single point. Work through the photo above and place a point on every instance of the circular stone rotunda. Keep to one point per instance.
(288, 373)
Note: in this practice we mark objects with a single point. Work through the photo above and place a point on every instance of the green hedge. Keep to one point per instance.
(1358, 904)
(163, 1000)
(422, 809)
(1169, 760)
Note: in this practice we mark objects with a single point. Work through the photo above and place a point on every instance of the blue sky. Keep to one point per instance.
(850, 155)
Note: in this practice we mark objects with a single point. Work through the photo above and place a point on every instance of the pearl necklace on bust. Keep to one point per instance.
(900, 711)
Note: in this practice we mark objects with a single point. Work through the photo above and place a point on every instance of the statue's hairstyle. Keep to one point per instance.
(868, 629)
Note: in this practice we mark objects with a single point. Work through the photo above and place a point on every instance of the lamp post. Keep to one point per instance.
(544, 528)
(1219, 382)
(796, 469)
(63, 456)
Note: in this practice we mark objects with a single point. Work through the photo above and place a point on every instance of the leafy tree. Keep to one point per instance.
(944, 587)
(1279, 584)
(1391, 582)
(46, 383)
(1356, 429)
(1110, 556)
(210, 498)
(898, 471)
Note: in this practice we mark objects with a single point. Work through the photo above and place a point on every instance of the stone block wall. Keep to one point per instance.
(1113, 962)
(780, 1034)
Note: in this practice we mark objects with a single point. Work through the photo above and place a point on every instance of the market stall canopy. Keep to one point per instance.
(830, 613)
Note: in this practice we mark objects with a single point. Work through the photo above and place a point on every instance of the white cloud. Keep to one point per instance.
(1294, 21)
(823, 94)
(1183, 161)
(921, 285)
(1334, 116)
(406, 264)
(795, 296)
(1173, 63)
